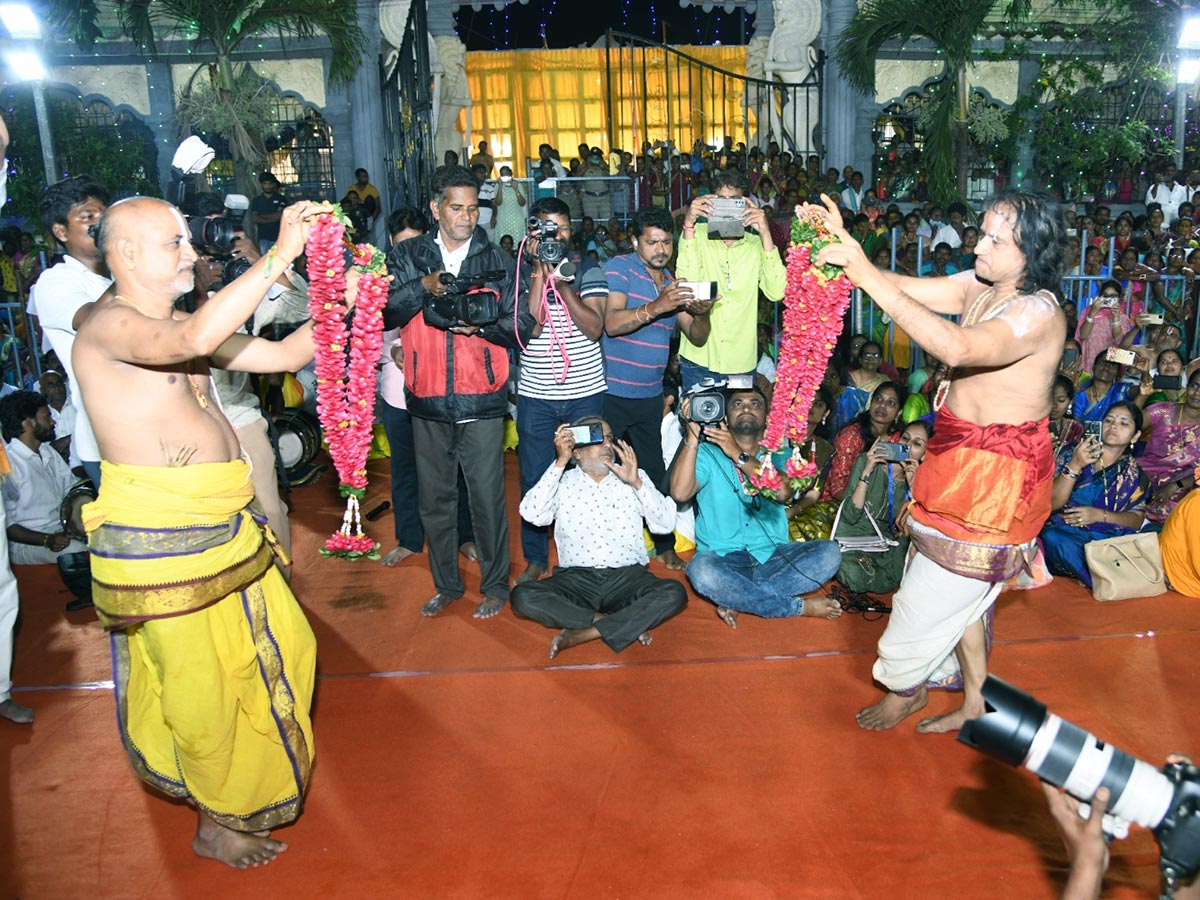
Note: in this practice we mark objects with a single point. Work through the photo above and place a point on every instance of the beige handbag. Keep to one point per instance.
(1126, 566)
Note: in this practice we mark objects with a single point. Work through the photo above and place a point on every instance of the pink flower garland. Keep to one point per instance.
(346, 392)
(814, 304)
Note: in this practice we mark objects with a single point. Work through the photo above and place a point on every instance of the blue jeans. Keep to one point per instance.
(693, 373)
(773, 589)
(537, 420)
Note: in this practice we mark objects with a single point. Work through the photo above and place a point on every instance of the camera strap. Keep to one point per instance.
(559, 333)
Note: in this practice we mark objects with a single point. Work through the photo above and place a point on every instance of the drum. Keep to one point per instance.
(70, 514)
(299, 441)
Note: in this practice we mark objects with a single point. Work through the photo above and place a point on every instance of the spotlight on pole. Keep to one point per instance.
(20, 21)
(26, 65)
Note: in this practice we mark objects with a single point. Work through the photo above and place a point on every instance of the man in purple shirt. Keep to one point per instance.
(644, 307)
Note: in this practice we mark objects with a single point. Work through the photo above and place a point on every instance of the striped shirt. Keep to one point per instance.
(636, 361)
(543, 360)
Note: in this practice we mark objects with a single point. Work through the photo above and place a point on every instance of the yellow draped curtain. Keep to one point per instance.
(529, 97)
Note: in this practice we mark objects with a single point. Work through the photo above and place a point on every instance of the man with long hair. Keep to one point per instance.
(984, 488)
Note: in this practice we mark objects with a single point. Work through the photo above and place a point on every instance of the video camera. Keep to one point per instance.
(214, 224)
(708, 396)
(1018, 730)
(550, 249)
(468, 300)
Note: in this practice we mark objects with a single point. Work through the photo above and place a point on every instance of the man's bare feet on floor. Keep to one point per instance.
(532, 573)
(821, 608)
(951, 721)
(572, 637)
(436, 604)
(238, 849)
(396, 554)
(891, 710)
(728, 616)
(488, 607)
(671, 560)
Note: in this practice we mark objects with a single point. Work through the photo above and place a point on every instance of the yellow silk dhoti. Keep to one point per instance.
(213, 659)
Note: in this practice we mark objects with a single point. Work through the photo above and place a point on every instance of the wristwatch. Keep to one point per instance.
(742, 459)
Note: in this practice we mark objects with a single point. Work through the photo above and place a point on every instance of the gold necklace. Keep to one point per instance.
(201, 396)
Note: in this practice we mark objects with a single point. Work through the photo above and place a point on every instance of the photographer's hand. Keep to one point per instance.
(627, 471)
(718, 433)
(1084, 839)
(433, 284)
(674, 296)
(208, 273)
(564, 445)
(701, 206)
(467, 330)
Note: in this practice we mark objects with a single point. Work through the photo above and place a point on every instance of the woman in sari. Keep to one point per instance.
(1064, 428)
(880, 489)
(879, 420)
(1103, 390)
(1168, 362)
(1173, 450)
(1103, 322)
(1099, 492)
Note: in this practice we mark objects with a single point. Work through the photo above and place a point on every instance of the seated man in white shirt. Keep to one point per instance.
(54, 385)
(601, 588)
(33, 495)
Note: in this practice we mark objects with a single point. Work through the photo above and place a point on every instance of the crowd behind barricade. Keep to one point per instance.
(626, 324)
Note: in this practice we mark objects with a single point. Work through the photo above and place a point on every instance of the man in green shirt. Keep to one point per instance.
(741, 268)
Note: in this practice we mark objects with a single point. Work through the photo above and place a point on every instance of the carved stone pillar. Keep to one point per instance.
(847, 114)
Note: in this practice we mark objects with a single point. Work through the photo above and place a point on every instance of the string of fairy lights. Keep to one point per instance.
(544, 23)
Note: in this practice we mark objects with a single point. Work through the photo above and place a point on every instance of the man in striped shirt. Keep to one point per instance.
(645, 306)
(562, 368)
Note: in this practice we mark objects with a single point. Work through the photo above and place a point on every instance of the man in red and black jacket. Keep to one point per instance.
(455, 386)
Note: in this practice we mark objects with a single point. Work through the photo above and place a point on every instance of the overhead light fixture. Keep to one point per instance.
(20, 21)
(26, 65)
(1189, 37)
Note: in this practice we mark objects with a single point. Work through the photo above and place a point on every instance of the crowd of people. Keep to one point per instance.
(1004, 433)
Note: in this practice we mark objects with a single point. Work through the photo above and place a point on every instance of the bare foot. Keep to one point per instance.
(671, 560)
(644, 639)
(951, 721)
(489, 607)
(532, 573)
(821, 607)
(891, 710)
(396, 554)
(468, 550)
(436, 604)
(234, 848)
(728, 616)
(570, 637)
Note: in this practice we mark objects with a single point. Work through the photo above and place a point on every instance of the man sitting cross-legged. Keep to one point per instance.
(744, 562)
(601, 588)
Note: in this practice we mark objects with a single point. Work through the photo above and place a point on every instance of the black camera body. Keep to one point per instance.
(468, 300)
(708, 397)
(215, 237)
(1018, 730)
(549, 248)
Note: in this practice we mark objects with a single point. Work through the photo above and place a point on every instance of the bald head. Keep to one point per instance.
(146, 244)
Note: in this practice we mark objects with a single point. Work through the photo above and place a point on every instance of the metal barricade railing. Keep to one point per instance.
(20, 361)
(599, 198)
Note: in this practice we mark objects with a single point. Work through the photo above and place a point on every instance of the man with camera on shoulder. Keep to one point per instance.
(743, 560)
(562, 367)
(601, 589)
(452, 296)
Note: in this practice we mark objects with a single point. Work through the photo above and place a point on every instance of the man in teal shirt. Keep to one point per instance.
(741, 268)
(743, 560)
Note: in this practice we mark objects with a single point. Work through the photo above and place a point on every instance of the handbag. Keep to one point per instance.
(1126, 566)
(863, 543)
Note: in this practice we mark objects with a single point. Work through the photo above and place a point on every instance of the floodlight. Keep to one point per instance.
(26, 65)
(20, 21)
(1189, 71)
(1189, 37)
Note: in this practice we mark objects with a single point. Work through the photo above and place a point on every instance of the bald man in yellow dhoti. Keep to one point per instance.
(214, 661)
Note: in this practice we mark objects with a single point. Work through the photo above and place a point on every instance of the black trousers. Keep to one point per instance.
(640, 423)
(632, 600)
(478, 447)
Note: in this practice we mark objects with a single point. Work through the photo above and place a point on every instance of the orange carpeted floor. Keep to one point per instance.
(455, 761)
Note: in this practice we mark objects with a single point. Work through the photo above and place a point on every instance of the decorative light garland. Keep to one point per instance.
(346, 388)
(814, 306)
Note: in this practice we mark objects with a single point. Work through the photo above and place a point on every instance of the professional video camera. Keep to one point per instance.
(549, 248)
(708, 397)
(1018, 730)
(214, 224)
(468, 300)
